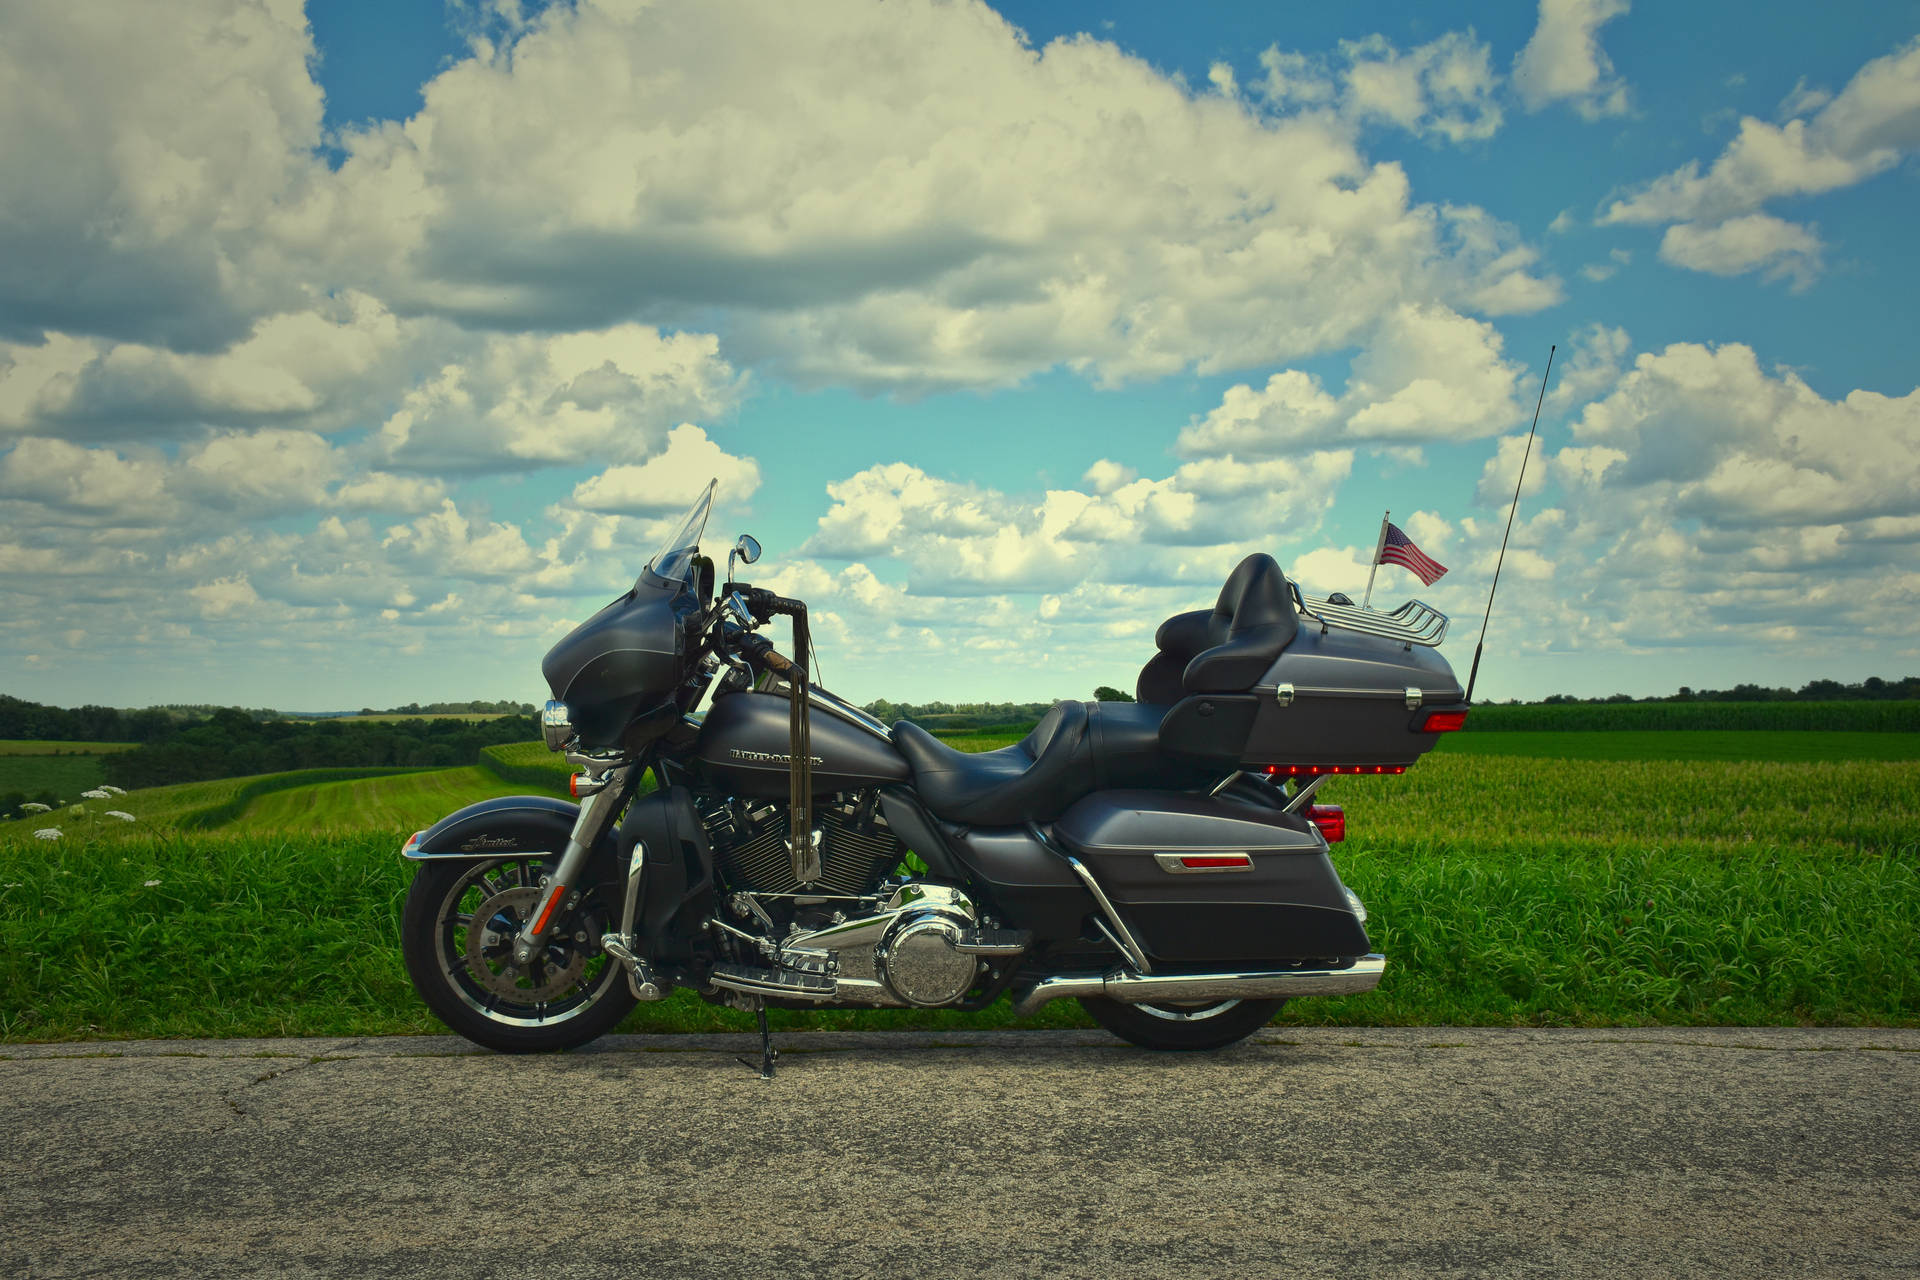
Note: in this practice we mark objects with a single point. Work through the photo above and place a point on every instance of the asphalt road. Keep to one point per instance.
(1425, 1152)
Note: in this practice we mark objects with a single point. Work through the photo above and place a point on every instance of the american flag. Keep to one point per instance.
(1399, 549)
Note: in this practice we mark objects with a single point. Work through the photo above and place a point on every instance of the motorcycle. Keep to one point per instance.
(748, 835)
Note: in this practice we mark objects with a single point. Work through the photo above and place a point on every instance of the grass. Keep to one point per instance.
(1505, 891)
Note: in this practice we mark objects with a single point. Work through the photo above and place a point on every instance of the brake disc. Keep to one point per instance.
(496, 923)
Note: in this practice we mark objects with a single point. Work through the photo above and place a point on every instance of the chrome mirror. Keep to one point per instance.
(745, 551)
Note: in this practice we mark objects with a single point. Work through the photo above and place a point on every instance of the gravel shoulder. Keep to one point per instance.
(1384, 1152)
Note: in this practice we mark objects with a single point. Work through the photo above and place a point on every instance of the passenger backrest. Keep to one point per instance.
(1227, 648)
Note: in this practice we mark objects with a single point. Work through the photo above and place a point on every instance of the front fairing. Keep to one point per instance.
(623, 662)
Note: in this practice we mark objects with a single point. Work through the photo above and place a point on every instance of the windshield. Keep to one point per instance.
(674, 560)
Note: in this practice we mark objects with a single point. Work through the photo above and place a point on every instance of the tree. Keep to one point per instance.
(1107, 693)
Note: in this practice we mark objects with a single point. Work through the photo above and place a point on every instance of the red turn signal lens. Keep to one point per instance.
(1443, 721)
(1331, 819)
(573, 785)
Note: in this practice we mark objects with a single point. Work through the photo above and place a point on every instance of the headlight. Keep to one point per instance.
(556, 722)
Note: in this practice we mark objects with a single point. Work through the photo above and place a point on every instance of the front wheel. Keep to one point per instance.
(457, 934)
(1212, 1024)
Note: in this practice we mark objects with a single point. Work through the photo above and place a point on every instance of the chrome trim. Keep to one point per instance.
(1304, 794)
(1226, 782)
(1414, 696)
(1284, 694)
(1414, 622)
(1121, 936)
(1133, 988)
(556, 725)
(1171, 861)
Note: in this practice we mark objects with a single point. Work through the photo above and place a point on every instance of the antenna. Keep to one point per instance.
(1475, 673)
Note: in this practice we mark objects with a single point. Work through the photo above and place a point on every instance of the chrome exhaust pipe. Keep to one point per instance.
(1128, 987)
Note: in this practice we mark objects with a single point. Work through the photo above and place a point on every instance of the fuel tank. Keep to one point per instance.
(744, 746)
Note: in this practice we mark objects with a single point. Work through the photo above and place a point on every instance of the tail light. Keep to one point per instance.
(1443, 722)
(1331, 819)
(1315, 770)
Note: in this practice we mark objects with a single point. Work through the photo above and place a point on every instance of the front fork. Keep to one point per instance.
(597, 811)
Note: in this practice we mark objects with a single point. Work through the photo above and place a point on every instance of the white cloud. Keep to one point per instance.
(535, 399)
(1428, 374)
(1563, 61)
(1443, 89)
(1736, 445)
(149, 156)
(665, 484)
(1754, 242)
(1844, 140)
(932, 203)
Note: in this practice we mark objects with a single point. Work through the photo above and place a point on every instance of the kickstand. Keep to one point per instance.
(767, 1052)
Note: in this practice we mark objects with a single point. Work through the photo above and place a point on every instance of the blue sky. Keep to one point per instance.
(350, 353)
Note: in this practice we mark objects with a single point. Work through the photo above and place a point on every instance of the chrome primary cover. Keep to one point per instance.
(907, 951)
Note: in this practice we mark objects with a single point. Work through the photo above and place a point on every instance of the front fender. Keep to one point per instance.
(504, 824)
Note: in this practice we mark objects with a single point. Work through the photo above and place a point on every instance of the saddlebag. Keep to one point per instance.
(1205, 880)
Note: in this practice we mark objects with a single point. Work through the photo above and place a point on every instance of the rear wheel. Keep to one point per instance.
(1211, 1024)
(457, 933)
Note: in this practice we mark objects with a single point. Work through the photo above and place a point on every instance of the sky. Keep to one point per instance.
(350, 353)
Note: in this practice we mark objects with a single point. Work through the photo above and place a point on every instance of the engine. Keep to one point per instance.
(749, 839)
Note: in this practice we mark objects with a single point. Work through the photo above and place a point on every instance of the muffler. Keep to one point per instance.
(1188, 988)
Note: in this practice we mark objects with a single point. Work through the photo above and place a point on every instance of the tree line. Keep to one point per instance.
(1872, 689)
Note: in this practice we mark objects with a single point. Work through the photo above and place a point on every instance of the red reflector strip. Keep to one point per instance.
(1443, 721)
(1315, 770)
(553, 900)
(1331, 819)
(1214, 861)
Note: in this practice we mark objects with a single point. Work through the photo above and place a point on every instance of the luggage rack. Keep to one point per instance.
(1414, 622)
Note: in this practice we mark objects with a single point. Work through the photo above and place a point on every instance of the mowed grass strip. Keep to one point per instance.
(400, 804)
(1504, 892)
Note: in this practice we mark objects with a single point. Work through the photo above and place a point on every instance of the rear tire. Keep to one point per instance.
(1187, 1027)
(455, 934)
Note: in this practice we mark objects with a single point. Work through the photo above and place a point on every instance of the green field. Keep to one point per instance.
(65, 776)
(33, 766)
(1686, 744)
(45, 747)
(1506, 891)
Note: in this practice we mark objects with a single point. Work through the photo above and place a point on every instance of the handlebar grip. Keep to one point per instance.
(777, 661)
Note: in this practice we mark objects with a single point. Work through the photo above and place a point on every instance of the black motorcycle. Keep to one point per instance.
(1160, 861)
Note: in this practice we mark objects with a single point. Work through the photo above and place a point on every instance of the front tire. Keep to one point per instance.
(1187, 1027)
(456, 933)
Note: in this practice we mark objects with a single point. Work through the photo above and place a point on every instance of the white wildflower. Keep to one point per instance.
(95, 794)
(78, 810)
(149, 883)
(34, 806)
(112, 790)
(47, 833)
(121, 814)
